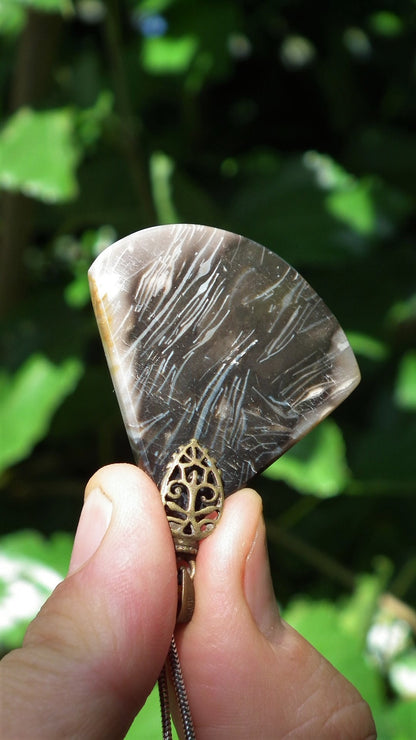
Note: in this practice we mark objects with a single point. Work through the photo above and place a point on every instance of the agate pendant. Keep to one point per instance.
(210, 336)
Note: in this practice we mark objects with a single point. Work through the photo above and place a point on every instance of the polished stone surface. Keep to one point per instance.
(209, 335)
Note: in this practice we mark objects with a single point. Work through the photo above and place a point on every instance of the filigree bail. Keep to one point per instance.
(193, 495)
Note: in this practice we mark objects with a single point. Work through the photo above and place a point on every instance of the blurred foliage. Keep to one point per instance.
(317, 464)
(27, 402)
(30, 568)
(293, 124)
(27, 166)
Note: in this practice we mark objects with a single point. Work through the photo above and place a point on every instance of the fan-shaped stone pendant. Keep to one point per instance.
(210, 336)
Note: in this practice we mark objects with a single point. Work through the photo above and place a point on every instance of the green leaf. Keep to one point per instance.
(397, 722)
(386, 23)
(315, 465)
(12, 17)
(272, 194)
(161, 171)
(310, 210)
(355, 207)
(405, 391)
(366, 346)
(349, 199)
(358, 611)
(28, 401)
(402, 312)
(321, 623)
(90, 121)
(77, 293)
(54, 552)
(163, 55)
(38, 156)
(155, 6)
(47, 6)
(148, 722)
(329, 175)
(30, 568)
(77, 256)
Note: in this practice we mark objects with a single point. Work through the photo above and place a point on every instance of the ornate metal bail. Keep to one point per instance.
(193, 497)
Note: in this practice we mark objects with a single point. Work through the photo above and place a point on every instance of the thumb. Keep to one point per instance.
(95, 650)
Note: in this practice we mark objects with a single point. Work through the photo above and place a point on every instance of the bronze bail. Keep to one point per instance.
(193, 497)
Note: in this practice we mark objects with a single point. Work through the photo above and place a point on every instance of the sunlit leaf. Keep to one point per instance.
(397, 721)
(28, 401)
(161, 171)
(355, 207)
(38, 156)
(366, 346)
(328, 173)
(77, 293)
(349, 199)
(405, 391)
(30, 568)
(165, 55)
(316, 465)
(12, 17)
(320, 622)
(309, 209)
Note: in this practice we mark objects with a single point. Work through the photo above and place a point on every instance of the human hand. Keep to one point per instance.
(94, 652)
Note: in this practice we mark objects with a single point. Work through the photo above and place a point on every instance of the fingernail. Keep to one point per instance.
(92, 526)
(258, 586)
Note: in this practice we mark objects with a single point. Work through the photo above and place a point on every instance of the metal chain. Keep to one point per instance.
(164, 704)
(174, 666)
(180, 691)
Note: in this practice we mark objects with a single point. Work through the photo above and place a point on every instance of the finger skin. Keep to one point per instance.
(94, 652)
(248, 673)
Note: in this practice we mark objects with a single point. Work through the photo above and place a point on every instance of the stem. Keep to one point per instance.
(298, 511)
(404, 579)
(319, 560)
(32, 73)
(130, 140)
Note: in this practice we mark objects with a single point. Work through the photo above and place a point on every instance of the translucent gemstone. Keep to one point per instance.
(210, 336)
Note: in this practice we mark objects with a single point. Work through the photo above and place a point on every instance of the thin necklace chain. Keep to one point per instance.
(173, 668)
